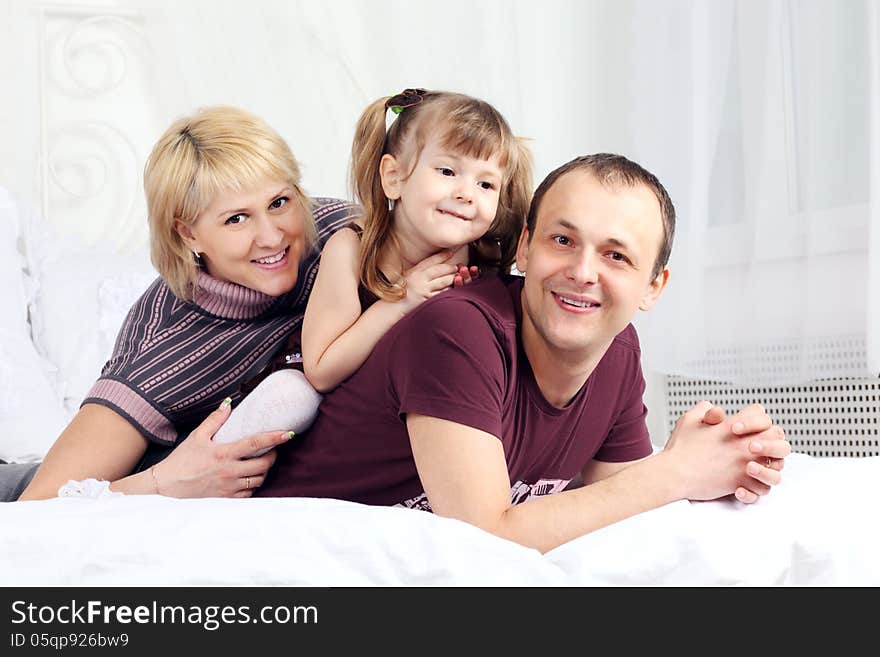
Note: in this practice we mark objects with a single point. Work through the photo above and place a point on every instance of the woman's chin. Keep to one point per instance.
(273, 283)
(277, 288)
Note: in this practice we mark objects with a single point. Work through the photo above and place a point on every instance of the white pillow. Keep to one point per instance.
(81, 300)
(12, 269)
(31, 414)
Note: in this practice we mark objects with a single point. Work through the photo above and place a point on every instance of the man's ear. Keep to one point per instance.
(655, 289)
(522, 250)
(392, 176)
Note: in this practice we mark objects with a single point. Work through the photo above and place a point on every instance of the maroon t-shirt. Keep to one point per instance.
(458, 357)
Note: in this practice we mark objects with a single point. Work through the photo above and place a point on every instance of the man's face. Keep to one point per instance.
(588, 265)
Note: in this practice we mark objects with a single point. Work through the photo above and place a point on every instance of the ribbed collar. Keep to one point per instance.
(229, 300)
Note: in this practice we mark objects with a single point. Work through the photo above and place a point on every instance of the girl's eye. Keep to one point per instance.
(446, 171)
(562, 240)
(487, 185)
(235, 219)
(279, 202)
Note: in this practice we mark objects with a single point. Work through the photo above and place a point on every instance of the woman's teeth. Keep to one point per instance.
(271, 260)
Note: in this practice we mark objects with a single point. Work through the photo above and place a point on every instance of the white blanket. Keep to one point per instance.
(818, 528)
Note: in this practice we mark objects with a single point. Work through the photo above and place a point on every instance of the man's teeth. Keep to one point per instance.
(271, 259)
(574, 302)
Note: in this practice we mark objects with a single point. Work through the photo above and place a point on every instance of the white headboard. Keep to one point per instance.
(98, 118)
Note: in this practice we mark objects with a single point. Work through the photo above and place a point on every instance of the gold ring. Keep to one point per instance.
(769, 462)
(247, 482)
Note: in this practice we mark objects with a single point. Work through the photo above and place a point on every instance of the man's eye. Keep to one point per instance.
(235, 219)
(446, 171)
(562, 240)
(279, 202)
(618, 257)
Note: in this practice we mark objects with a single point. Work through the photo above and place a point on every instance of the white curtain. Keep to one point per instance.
(757, 116)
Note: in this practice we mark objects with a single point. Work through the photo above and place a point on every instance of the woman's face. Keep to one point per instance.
(253, 237)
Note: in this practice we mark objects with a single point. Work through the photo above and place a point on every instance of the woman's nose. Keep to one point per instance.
(269, 232)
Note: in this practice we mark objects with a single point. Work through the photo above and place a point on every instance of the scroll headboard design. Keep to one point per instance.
(96, 124)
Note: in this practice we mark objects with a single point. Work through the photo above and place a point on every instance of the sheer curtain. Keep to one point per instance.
(758, 117)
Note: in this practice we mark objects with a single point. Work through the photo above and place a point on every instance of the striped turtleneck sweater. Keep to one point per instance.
(174, 361)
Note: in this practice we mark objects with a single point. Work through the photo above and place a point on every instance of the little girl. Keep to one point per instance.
(444, 192)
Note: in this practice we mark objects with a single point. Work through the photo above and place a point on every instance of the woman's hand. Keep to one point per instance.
(199, 467)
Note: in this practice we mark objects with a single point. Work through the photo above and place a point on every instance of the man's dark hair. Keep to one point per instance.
(613, 171)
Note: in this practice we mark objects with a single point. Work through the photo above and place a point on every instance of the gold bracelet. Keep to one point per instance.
(155, 479)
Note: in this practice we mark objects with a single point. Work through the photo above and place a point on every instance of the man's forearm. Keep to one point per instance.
(548, 522)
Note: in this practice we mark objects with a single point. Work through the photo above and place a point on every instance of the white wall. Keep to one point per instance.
(86, 94)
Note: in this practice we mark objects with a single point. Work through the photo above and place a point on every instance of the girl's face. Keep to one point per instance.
(448, 201)
(253, 238)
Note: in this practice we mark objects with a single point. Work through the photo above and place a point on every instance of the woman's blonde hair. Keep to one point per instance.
(467, 126)
(216, 149)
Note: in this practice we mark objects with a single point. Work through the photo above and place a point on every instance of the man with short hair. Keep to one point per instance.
(506, 390)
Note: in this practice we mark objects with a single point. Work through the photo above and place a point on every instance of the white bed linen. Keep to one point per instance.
(819, 528)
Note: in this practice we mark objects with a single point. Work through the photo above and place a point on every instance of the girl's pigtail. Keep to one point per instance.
(367, 149)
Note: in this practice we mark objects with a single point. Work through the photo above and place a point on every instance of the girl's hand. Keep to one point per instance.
(465, 275)
(429, 277)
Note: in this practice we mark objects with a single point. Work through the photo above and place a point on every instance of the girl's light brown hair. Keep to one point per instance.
(216, 149)
(467, 126)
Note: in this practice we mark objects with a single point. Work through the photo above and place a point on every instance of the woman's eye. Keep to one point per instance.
(279, 202)
(446, 171)
(235, 219)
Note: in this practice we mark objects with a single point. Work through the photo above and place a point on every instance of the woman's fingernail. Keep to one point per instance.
(756, 446)
(754, 468)
(290, 434)
(738, 426)
(226, 402)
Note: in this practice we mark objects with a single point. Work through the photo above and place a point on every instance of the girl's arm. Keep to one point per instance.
(336, 337)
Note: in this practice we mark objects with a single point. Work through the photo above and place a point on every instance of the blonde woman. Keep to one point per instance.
(236, 242)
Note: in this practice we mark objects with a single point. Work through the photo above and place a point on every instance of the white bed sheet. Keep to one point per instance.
(818, 528)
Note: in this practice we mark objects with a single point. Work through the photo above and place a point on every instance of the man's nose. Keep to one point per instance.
(583, 269)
